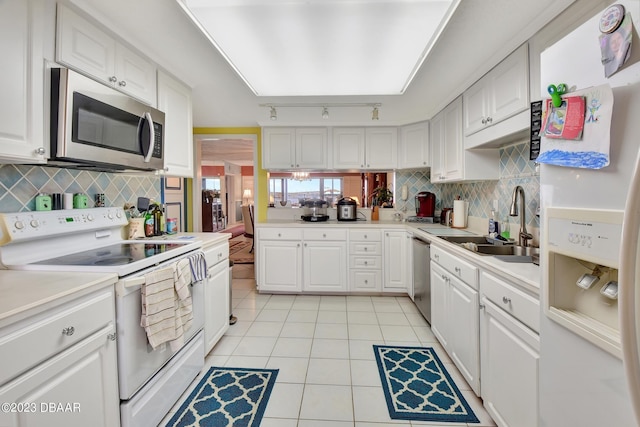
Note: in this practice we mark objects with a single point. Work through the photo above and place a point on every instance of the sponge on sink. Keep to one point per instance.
(470, 246)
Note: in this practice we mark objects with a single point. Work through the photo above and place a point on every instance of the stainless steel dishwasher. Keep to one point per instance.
(422, 276)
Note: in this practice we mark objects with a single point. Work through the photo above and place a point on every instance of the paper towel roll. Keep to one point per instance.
(459, 213)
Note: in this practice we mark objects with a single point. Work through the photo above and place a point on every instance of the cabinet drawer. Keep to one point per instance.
(217, 253)
(366, 262)
(523, 307)
(280, 233)
(368, 235)
(365, 280)
(463, 270)
(365, 248)
(36, 339)
(324, 234)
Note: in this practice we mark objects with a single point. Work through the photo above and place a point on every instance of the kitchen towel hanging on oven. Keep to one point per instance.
(167, 309)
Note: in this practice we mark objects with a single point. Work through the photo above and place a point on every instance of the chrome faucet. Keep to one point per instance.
(523, 235)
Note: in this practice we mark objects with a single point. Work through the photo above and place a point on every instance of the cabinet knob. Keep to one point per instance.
(361, 166)
(424, 163)
(366, 263)
(113, 79)
(68, 331)
(437, 257)
(40, 150)
(122, 83)
(483, 121)
(297, 166)
(305, 245)
(489, 120)
(111, 337)
(506, 300)
(298, 245)
(291, 165)
(366, 281)
(368, 165)
(366, 249)
(457, 270)
(324, 235)
(279, 235)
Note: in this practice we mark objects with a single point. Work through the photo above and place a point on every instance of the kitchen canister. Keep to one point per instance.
(43, 202)
(80, 201)
(67, 201)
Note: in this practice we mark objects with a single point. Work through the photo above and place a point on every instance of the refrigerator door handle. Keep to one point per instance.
(629, 299)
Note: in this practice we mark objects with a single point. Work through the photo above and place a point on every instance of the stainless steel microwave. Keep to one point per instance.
(96, 127)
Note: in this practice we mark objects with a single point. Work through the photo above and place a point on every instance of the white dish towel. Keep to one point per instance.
(167, 308)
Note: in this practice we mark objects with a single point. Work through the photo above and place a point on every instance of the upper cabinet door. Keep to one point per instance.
(22, 106)
(453, 143)
(174, 99)
(414, 146)
(278, 148)
(476, 106)
(83, 47)
(381, 148)
(136, 74)
(436, 136)
(510, 83)
(348, 148)
(311, 148)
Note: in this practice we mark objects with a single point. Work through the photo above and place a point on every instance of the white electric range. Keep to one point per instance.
(91, 240)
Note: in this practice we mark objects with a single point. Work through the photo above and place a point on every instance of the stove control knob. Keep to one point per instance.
(118, 214)
(35, 223)
(90, 218)
(110, 215)
(19, 225)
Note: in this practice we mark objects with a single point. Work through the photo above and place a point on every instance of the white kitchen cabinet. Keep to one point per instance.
(22, 32)
(365, 260)
(449, 160)
(397, 262)
(373, 148)
(216, 294)
(279, 260)
(174, 99)
(510, 352)
(294, 148)
(413, 146)
(85, 47)
(74, 350)
(502, 93)
(455, 312)
(324, 259)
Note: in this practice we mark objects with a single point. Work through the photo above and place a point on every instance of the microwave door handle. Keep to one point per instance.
(152, 136)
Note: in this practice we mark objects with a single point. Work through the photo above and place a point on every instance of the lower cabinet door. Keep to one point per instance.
(325, 266)
(465, 331)
(510, 365)
(280, 267)
(76, 388)
(440, 304)
(216, 304)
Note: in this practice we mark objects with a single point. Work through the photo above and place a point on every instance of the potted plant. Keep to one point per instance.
(382, 196)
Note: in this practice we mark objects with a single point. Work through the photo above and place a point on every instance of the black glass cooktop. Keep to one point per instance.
(118, 254)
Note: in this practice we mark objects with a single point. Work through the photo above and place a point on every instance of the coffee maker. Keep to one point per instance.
(425, 204)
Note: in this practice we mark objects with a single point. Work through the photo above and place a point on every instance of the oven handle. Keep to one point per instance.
(139, 281)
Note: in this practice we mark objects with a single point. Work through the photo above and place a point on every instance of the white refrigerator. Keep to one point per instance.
(582, 384)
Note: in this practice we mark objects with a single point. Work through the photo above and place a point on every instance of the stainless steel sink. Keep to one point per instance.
(465, 239)
(507, 250)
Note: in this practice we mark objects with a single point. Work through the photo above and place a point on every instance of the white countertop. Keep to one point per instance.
(207, 239)
(29, 292)
(526, 275)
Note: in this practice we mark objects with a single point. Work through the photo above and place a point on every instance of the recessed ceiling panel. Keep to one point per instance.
(323, 47)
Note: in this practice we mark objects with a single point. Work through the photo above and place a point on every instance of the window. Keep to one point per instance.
(295, 191)
(211, 184)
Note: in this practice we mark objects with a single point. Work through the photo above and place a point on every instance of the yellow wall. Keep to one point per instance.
(262, 197)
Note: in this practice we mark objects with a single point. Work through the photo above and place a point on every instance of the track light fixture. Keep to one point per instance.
(325, 113)
(325, 108)
(374, 113)
(274, 114)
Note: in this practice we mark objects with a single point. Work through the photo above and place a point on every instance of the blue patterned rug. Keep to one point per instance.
(418, 387)
(227, 397)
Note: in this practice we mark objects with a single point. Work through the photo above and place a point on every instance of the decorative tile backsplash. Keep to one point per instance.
(20, 184)
(515, 169)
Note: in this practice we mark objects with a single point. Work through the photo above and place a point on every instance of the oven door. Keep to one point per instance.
(97, 124)
(137, 361)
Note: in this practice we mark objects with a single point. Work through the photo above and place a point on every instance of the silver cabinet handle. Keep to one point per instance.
(40, 150)
(365, 236)
(298, 245)
(113, 79)
(506, 300)
(279, 235)
(305, 245)
(489, 120)
(484, 121)
(324, 235)
(366, 281)
(122, 83)
(68, 331)
(111, 337)
(457, 270)
(366, 263)
(366, 249)
(444, 277)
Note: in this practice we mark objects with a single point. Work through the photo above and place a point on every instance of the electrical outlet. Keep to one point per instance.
(495, 205)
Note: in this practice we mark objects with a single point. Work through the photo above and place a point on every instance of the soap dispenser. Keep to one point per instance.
(492, 224)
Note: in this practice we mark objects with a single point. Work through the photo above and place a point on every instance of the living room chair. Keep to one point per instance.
(247, 217)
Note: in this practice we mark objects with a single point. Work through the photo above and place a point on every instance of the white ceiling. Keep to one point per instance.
(479, 34)
(323, 47)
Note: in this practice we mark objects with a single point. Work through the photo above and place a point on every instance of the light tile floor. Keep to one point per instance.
(322, 346)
